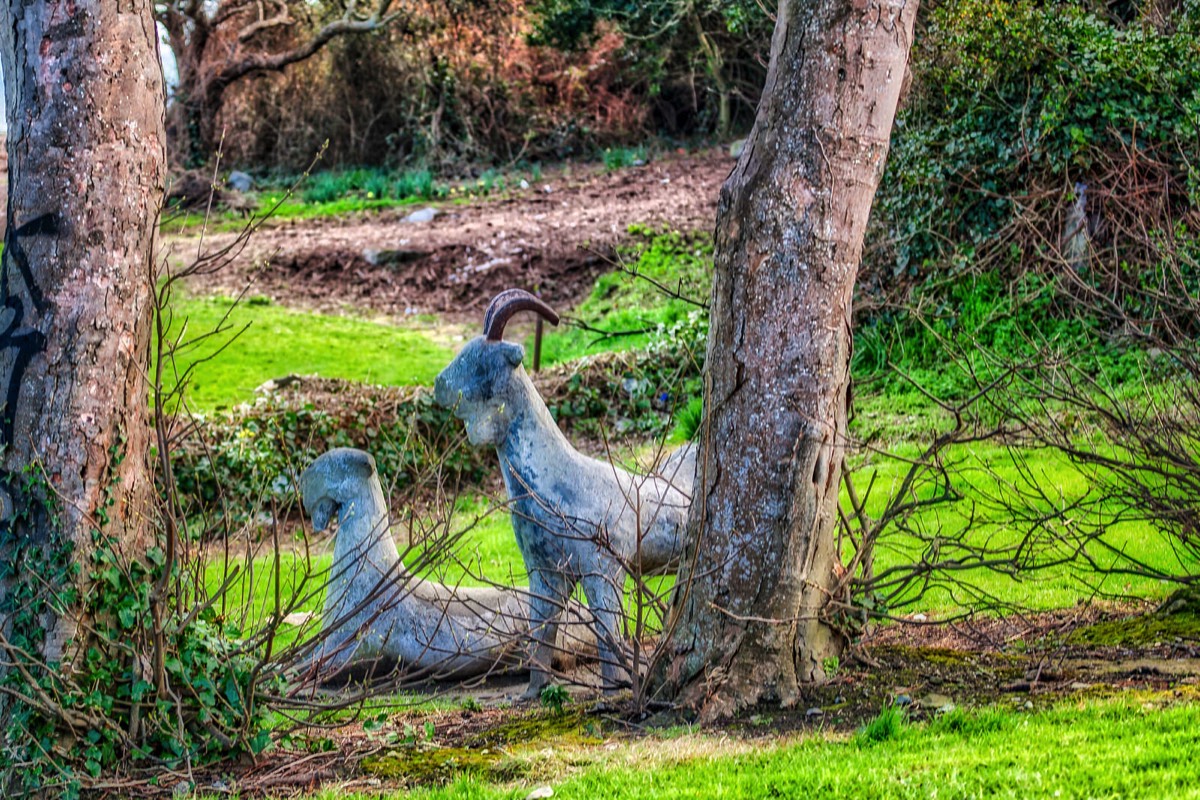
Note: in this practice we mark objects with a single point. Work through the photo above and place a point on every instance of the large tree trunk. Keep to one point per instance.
(86, 159)
(790, 224)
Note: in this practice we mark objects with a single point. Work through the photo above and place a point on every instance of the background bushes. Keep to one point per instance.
(1045, 148)
(472, 82)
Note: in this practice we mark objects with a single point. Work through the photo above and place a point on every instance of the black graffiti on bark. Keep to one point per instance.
(18, 333)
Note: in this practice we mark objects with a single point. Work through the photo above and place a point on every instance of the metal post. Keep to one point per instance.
(537, 346)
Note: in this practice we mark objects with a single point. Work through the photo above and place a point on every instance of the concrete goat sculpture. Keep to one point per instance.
(577, 520)
(375, 610)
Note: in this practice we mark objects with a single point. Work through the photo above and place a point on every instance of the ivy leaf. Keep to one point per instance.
(260, 742)
(127, 617)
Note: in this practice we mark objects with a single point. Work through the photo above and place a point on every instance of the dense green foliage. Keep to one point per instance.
(1042, 145)
(150, 672)
(240, 462)
(628, 309)
(1014, 103)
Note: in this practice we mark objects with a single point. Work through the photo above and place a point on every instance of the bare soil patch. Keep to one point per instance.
(555, 242)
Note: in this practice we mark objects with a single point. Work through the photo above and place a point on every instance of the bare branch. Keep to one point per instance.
(350, 22)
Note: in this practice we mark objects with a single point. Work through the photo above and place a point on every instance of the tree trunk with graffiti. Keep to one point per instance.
(86, 155)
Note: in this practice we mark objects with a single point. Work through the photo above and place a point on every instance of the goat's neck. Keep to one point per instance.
(533, 443)
(363, 537)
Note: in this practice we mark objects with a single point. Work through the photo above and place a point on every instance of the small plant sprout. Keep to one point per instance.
(831, 666)
(555, 697)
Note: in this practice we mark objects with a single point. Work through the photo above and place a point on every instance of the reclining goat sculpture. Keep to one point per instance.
(376, 610)
(577, 520)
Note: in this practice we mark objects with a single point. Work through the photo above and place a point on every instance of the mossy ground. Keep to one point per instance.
(940, 689)
(1141, 630)
(425, 766)
(951, 721)
(491, 753)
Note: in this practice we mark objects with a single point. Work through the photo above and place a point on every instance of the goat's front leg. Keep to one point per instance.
(550, 592)
(604, 601)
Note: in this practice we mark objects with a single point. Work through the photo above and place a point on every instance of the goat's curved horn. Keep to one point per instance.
(508, 303)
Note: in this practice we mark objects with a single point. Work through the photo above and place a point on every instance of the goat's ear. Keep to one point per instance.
(514, 354)
(322, 512)
(360, 464)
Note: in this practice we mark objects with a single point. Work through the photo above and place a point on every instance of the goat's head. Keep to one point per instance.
(337, 478)
(477, 384)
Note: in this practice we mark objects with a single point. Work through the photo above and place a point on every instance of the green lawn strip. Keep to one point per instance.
(483, 550)
(338, 193)
(226, 221)
(487, 552)
(279, 341)
(983, 473)
(1127, 747)
(620, 302)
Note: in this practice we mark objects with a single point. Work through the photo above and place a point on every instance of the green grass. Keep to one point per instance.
(892, 723)
(1123, 748)
(485, 553)
(278, 341)
(290, 208)
(372, 184)
(985, 472)
(621, 303)
(487, 550)
(616, 158)
(343, 192)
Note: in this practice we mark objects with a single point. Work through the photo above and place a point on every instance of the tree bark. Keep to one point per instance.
(87, 163)
(748, 618)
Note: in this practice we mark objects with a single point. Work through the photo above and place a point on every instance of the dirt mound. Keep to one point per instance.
(453, 278)
(554, 237)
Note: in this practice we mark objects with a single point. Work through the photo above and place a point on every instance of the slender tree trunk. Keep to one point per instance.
(86, 158)
(187, 38)
(790, 223)
(714, 63)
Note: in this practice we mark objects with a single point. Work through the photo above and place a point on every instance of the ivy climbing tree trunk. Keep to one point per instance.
(750, 621)
(86, 159)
